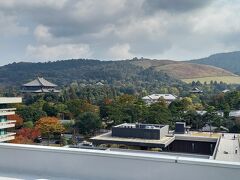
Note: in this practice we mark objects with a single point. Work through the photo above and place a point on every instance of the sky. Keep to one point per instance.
(47, 30)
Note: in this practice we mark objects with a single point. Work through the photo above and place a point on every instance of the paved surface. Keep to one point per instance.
(227, 147)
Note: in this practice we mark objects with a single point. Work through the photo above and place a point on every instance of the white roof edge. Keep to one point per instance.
(10, 100)
(131, 155)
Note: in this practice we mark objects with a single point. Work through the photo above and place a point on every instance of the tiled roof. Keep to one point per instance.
(40, 82)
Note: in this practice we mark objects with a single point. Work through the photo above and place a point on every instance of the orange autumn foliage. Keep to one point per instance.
(49, 125)
(26, 136)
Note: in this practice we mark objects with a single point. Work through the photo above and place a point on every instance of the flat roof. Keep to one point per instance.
(10, 100)
(108, 138)
(65, 163)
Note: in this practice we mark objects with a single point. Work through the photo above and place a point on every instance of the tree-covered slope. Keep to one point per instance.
(84, 71)
(229, 61)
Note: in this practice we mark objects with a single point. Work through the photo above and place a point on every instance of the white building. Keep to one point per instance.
(153, 98)
(235, 113)
(4, 112)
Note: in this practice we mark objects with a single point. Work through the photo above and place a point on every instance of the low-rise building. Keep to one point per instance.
(154, 98)
(6, 124)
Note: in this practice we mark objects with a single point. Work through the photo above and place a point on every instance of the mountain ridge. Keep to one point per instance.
(229, 61)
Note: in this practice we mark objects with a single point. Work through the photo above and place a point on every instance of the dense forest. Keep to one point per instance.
(67, 71)
(119, 74)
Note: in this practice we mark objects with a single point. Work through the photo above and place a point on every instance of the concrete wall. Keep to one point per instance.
(66, 163)
(136, 133)
(164, 131)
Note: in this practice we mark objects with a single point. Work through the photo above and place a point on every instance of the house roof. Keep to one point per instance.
(196, 90)
(226, 90)
(235, 113)
(168, 97)
(40, 82)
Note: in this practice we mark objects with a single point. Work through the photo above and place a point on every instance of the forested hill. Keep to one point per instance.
(84, 71)
(229, 61)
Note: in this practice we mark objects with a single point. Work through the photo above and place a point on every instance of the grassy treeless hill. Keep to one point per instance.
(188, 72)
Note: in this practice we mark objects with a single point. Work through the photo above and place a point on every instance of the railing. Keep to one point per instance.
(238, 140)
(7, 137)
(8, 111)
(216, 148)
(7, 124)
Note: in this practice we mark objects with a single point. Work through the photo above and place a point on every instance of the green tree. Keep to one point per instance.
(88, 123)
(158, 113)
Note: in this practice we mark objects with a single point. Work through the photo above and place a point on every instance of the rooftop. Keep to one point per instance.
(10, 100)
(108, 138)
(65, 163)
(157, 96)
(40, 82)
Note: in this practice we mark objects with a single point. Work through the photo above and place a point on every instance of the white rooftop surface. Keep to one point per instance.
(235, 113)
(28, 162)
(227, 147)
(10, 100)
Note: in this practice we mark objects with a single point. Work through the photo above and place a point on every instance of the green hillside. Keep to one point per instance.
(121, 74)
(229, 61)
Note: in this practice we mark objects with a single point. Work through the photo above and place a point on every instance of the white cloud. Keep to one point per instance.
(120, 51)
(42, 33)
(120, 29)
(9, 26)
(64, 51)
(33, 3)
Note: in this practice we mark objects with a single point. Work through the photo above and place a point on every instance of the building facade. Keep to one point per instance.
(6, 124)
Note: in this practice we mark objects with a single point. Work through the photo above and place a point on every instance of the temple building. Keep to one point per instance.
(39, 85)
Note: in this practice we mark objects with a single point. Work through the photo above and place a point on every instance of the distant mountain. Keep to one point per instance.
(138, 73)
(229, 61)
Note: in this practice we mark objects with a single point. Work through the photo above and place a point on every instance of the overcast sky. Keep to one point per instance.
(43, 30)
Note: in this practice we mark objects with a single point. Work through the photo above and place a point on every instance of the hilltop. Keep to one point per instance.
(229, 61)
(188, 71)
(136, 72)
(120, 73)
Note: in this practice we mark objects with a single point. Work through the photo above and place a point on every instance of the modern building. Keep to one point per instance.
(139, 135)
(180, 141)
(39, 85)
(154, 98)
(6, 124)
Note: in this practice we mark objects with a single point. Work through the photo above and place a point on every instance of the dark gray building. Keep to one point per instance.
(142, 131)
